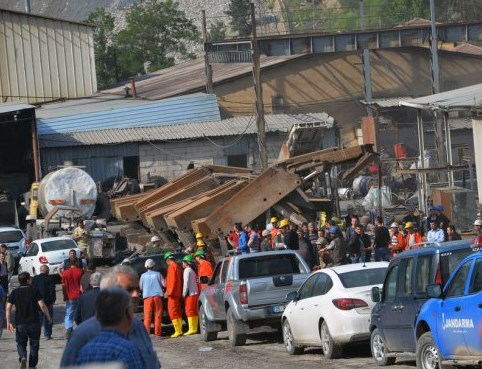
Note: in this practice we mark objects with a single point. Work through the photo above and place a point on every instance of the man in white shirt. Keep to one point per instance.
(435, 234)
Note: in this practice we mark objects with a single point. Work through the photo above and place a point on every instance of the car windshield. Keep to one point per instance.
(58, 245)
(362, 277)
(10, 236)
(268, 266)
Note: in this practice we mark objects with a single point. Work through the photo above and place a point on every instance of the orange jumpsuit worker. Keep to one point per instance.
(205, 268)
(174, 293)
(209, 254)
(413, 237)
(190, 292)
(397, 242)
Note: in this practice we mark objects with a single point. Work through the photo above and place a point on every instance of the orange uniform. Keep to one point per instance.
(205, 269)
(397, 243)
(412, 238)
(274, 232)
(174, 290)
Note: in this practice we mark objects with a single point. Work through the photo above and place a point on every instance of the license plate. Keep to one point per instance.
(278, 309)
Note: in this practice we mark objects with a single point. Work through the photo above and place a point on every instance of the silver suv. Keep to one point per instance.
(15, 240)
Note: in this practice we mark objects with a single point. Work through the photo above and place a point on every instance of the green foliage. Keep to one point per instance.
(240, 13)
(104, 48)
(217, 31)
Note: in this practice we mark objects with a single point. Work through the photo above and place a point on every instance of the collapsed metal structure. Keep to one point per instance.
(210, 199)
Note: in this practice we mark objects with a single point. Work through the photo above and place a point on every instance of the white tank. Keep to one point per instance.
(68, 186)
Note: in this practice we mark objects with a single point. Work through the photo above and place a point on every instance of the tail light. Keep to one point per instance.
(243, 294)
(56, 202)
(438, 277)
(43, 260)
(348, 304)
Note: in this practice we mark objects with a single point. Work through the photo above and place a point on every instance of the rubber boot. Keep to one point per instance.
(177, 323)
(193, 322)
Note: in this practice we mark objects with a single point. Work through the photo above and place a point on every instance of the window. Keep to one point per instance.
(450, 260)
(457, 285)
(240, 161)
(422, 274)
(224, 271)
(32, 250)
(390, 285)
(277, 103)
(323, 284)
(58, 245)
(267, 266)
(365, 277)
(405, 277)
(476, 282)
(216, 273)
(11, 236)
(306, 290)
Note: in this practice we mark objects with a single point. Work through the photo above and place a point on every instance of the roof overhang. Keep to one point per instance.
(14, 107)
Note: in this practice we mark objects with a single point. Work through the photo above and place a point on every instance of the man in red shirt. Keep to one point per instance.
(71, 281)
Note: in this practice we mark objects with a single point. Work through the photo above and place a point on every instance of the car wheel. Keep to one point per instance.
(379, 349)
(330, 349)
(289, 340)
(203, 326)
(236, 338)
(427, 353)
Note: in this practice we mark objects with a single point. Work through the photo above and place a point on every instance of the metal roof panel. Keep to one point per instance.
(15, 106)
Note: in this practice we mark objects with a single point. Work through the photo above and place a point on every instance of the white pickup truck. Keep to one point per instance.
(247, 291)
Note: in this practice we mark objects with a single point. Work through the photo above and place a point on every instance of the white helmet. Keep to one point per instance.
(394, 225)
(155, 238)
(149, 263)
(478, 222)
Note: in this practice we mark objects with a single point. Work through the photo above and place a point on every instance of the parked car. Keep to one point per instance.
(137, 262)
(332, 308)
(15, 240)
(404, 292)
(247, 291)
(50, 251)
(449, 326)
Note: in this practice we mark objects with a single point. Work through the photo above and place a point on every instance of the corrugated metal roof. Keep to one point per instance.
(468, 49)
(11, 107)
(228, 127)
(460, 99)
(391, 102)
(190, 77)
(101, 112)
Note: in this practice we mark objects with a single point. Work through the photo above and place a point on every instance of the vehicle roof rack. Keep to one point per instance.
(425, 244)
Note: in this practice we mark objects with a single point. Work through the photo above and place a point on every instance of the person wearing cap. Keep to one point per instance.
(201, 245)
(412, 237)
(435, 234)
(397, 242)
(337, 247)
(205, 268)
(478, 233)
(154, 246)
(412, 218)
(274, 231)
(152, 284)
(266, 241)
(190, 293)
(174, 293)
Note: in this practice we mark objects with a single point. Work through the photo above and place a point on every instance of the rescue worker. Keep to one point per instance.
(151, 284)
(174, 293)
(337, 248)
(205, 268)
(209, 254)
(273, 229)
(478, 233)
(82, 236)
(154, 247)
(413, 236)
(397, 242)
(279, 240)
(190, 293)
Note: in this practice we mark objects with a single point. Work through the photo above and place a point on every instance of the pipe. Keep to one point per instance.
(27, 6)
(133, 88)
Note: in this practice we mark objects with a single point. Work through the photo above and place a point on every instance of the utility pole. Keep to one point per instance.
(207, 66)
(260, 122)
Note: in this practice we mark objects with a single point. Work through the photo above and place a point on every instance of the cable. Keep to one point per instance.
(241, 135)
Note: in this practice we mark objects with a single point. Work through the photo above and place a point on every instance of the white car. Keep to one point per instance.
(332, 308)
(15, 241)
(49, 251)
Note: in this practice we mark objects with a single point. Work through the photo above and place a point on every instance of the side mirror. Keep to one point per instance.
(434, 290)
(376, 294)
(292, 296)
(204, 279)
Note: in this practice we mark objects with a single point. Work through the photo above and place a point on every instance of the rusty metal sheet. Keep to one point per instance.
(203, 206)
(226, 169)
(266, 190)
(155, 219)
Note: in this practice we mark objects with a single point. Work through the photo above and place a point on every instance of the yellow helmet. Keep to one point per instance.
(199, 235)
(274, 220)
(200, 243)
(284, 222)
(408, 225)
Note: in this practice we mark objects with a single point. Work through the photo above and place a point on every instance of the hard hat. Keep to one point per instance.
(334, 229)
(478, 222)
(394, 225)
(30, 217)
(284, 223)
(149, 263)
(188, 259)
(408, 225)
(168, 255)
(155, 238)
(274, 220)
(265, 233)
(200, 243)
(200, 253)
(199, 235)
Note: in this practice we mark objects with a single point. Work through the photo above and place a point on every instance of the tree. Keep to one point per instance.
(156, 31)
(240, 13)
(104, 46)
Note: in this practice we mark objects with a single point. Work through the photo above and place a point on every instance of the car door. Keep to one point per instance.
(452, 327)
(218, 293)
(212, 289)
(317, 306)
(297, 316)
(473, 303)
(29, 260)
(387, 319)
(404, 306)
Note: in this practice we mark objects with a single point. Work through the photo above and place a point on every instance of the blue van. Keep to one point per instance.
(393, 318)
(449, 326)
